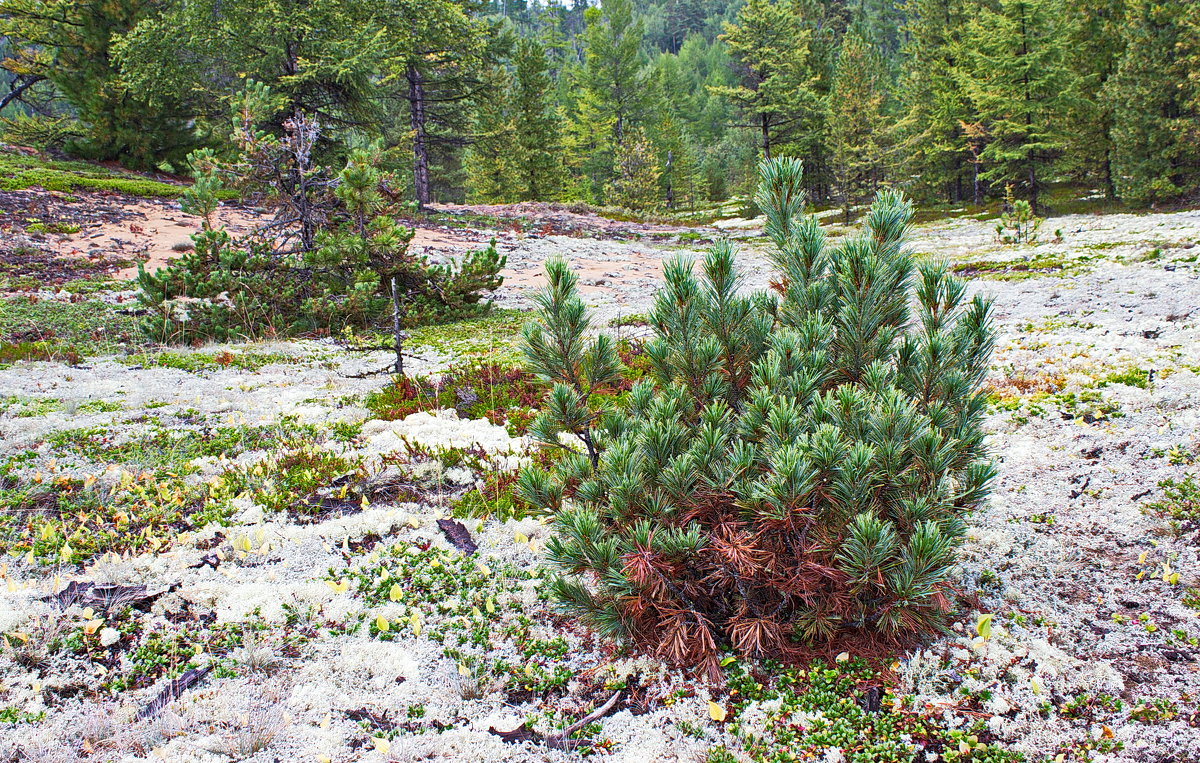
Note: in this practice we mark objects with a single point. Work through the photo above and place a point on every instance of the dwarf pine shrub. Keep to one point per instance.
(332, 257)
(798, 462)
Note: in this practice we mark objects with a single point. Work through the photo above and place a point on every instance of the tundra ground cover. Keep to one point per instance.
(281, 510)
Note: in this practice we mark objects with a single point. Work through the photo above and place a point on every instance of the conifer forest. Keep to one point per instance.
(696, 381)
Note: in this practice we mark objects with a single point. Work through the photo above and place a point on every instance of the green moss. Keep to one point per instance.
(1133, 377)
(1019, 270)
(18, 172)
(494, 335)
(198, 362)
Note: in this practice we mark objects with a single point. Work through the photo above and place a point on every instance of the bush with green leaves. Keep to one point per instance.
(798, 463)
(327, 260)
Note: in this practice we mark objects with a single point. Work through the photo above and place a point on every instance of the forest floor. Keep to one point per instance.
(257, 533)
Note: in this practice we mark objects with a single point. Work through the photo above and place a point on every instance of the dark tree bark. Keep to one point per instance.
(416, 101)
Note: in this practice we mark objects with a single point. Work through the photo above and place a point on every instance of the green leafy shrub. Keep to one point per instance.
(797, 464)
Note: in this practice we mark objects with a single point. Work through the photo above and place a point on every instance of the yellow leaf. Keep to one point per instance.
(326, 721)
(415, 620)
(1142, 558)
(984, 626)
(91, 626)
(462, 670)
(483, 569)
(520, 537)
(716, 712)
(490, 605)
(382, 744)
(382, 624)
(365, 503)
(843, 657)
(397, 593)
(338, 586)
(242, 543)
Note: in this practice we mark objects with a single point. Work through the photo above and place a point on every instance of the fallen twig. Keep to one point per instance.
(560, 740)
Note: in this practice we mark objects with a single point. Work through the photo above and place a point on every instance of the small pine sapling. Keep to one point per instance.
(1018, 224)
(797, 464)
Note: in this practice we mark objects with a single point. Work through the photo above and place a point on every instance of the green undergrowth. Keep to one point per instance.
(488, 389)
(474, 607)
(808, 714)
(305, 479)
(164, 445)
(63, 332)
(19, 172)
(51, 517)
(199, 362)
(493, 336)
(1180, 501)
(503, 394)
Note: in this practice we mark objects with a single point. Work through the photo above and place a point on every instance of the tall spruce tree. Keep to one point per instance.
(929, 132)
(1096, 42)
(614, 79)
(123, 123)
(776, 93)
(538, 158)
(857, 129)
(1014, 70)
(1155, 98)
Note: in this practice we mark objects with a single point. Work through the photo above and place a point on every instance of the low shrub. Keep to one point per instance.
(797, 464)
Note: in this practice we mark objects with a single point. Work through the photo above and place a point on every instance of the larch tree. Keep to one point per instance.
(492, 172)
(857, 127)
(538, 160)
(1015, 73)
(614, 85)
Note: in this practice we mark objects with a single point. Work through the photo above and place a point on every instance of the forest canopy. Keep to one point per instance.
(648, 105)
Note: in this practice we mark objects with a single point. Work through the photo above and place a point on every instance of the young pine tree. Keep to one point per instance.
(797, 463)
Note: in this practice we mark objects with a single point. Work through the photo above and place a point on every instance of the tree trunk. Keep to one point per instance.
(416, 101)
(766, 136)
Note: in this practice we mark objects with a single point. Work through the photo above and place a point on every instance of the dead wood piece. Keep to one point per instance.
(173, 691)
(458, 535)
(560, 740)
(106, 597)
